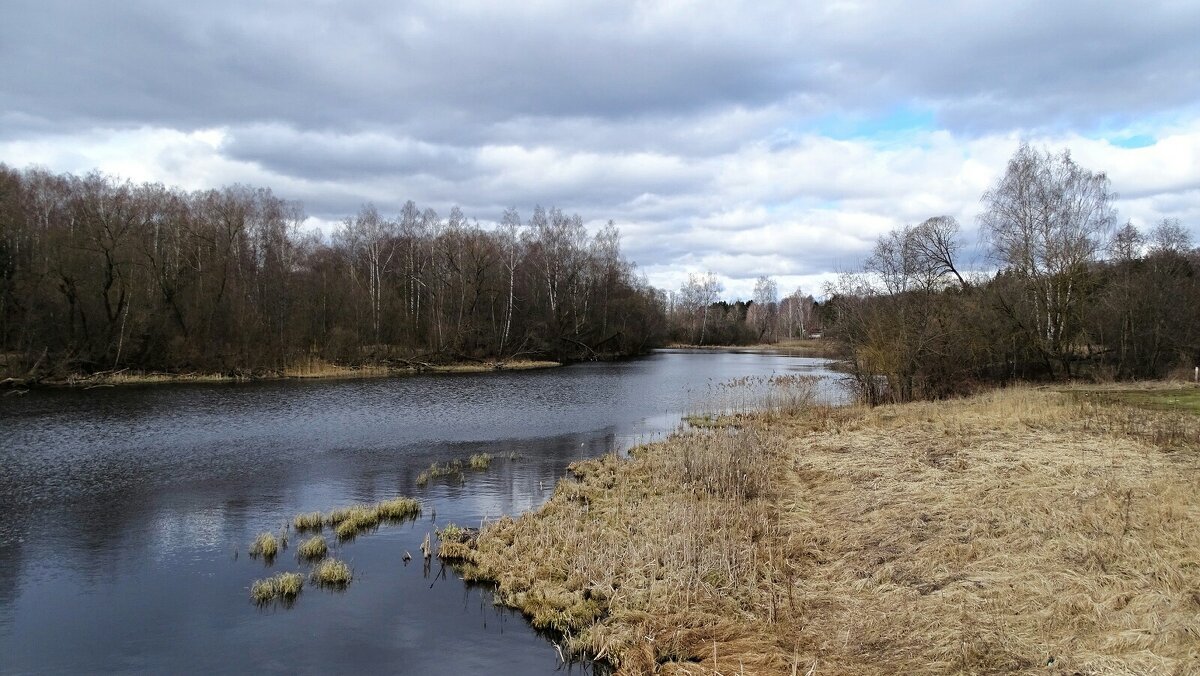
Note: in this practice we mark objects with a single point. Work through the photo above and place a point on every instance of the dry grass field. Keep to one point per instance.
(1020, 530)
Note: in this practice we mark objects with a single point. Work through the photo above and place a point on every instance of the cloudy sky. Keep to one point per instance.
(767, 138)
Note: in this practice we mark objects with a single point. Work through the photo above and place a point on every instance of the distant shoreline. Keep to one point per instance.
(312, 371)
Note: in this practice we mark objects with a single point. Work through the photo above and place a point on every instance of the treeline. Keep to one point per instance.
(697, 317)
(98, 274)
(1071, 296)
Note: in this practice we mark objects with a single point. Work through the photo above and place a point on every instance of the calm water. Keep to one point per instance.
(125, 514)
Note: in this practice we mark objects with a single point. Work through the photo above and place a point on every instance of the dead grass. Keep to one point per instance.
(1015, 531)
(308, 521)
(319, 368)
(313, 548)
(332, 573)
(487, 366)
(265, 545)
(349, 521)
(398, 509)
(285, 585)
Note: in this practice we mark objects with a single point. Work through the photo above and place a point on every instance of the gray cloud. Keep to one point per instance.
(773, 136)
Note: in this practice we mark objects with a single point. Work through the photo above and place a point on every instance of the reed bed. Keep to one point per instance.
(1014, 531)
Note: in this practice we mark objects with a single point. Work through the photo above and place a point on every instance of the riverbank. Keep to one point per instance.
(315, 369)
(799, 347)
(1016, 530)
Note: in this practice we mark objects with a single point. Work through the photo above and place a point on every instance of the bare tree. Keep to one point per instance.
(765, 309)
(1046, 219)
(697, 295)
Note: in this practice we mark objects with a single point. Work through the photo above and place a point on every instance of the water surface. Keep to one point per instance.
(125, 513)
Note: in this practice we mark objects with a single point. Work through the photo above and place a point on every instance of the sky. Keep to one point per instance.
(746, 139)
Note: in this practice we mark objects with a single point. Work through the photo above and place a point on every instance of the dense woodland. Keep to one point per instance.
(1073, 294)
(98, 274)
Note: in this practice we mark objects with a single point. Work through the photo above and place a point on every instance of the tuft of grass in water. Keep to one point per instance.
(480, 461)
(355, 519)
(313, 548)
(398, 509)
(309, 521)
(265, 545)
(285, 585)
(436, 471)
(288, 585)
(332, 573)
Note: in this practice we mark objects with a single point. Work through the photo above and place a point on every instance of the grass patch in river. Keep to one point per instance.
(354, 519)
(265, 545)
(398, 509)
(478, 462)
(332, 573)
(454, 468)
(313, 548)
(308, 521)
(282, 585)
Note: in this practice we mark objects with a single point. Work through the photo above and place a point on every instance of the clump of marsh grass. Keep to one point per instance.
(332, 573)
(455, 544)
(454, 468)
(308, 521)
(480, 461)
(398, 509)
(284, 585)
(313, 548)
(265, 545)
(452, 533)
(355, 519)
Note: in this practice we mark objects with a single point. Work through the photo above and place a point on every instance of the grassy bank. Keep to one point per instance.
(315, 369)
(1016, 531)
(796, 347)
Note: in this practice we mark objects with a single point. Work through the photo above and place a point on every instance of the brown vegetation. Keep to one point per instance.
(1015, 531)
(332, 573)
(285, 585)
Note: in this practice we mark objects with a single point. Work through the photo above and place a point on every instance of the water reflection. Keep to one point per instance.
(127, 512)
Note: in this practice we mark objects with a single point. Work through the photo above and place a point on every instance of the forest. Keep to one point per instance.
(98, 275)
(1072, 294)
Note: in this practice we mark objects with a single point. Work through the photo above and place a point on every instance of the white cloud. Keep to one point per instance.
(771, 138)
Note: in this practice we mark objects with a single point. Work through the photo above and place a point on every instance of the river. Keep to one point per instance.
(126, 513)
